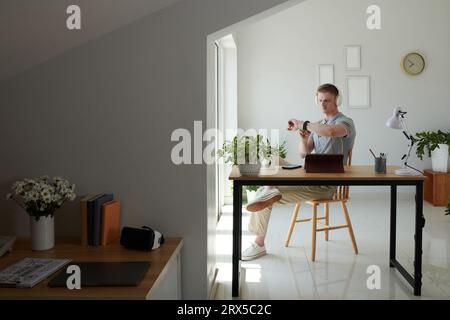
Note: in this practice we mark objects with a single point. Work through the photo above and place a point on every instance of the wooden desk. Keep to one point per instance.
(164, 263)
(354, 175)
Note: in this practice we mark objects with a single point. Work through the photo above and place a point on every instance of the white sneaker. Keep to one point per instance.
(264, 198)
(253, 252)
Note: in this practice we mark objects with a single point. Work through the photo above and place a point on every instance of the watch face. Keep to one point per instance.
(413, 63)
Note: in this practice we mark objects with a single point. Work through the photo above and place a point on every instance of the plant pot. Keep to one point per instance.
(439, 158)
(249, 169)
(42, 233)
(250, 195)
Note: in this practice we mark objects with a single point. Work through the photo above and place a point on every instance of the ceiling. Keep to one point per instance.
(33, 31)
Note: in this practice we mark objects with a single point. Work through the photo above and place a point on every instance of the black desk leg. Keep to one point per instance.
(393, 225)
(237, 233)
(420, 223)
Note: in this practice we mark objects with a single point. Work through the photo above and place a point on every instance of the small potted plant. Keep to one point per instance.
(436, 145)
(40, 198)
(247, 152)
(250, 192)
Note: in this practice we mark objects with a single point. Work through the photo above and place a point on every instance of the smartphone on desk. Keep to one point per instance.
(292, 167)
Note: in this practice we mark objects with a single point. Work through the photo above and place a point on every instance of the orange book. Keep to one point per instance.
(110, 222)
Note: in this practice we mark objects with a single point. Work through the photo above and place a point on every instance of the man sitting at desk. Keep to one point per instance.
(334, 134)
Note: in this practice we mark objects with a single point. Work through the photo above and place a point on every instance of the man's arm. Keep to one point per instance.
(327, 130)
(306, 144)
(323, 130)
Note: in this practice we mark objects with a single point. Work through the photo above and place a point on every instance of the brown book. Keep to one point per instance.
(110, 222)
(84, 219)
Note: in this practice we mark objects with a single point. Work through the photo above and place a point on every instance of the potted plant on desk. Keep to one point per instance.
(247, 152)
(436, 144)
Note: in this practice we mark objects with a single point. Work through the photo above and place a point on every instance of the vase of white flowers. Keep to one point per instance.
(40, 198)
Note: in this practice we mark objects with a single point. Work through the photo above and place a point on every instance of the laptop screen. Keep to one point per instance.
(324, 163)
(100, 274)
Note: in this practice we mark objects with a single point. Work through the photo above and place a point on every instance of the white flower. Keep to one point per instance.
(42, 194)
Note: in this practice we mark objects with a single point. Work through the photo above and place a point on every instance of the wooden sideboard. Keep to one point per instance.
(437, 187)
(162, 280)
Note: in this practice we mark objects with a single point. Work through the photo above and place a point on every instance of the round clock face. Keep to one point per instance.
(413, 63)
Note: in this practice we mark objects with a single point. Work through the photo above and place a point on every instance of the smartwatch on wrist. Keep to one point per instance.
(305, 125)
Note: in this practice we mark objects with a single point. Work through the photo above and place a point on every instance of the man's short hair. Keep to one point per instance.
(330, 88)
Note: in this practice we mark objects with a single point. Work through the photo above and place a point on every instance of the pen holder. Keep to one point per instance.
(380, 165)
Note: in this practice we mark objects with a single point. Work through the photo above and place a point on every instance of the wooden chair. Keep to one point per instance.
(342, 196)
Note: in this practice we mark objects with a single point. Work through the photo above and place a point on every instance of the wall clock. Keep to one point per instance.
(413, 63)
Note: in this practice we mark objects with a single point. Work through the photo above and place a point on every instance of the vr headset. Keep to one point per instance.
(144, 239)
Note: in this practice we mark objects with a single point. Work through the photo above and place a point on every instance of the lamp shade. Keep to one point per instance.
(394, 121)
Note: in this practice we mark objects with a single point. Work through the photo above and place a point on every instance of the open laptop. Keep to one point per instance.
(324, 163)
(102, 274)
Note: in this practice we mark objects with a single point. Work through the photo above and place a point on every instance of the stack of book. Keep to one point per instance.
(100, 219)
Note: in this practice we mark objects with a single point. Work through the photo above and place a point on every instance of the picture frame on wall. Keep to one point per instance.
(352, 56)
(358, 92)
(325, 74)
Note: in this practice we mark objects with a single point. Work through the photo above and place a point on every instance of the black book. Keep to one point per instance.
(97, 217)
(90, 218)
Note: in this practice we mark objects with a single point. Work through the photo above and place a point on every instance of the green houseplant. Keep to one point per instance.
(251, 188)
(248, 151)
(436, 145)
(250, 192)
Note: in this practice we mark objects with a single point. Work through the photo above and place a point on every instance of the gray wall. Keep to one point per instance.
(101, 115)
(278, 58)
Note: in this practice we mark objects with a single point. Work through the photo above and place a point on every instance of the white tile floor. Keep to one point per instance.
(288, 273)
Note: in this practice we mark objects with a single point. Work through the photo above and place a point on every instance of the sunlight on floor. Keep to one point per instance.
(253, 274)
(288, 273)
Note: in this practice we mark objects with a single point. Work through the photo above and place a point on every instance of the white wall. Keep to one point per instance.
(228, 113)
(278, 57)
(102, 114)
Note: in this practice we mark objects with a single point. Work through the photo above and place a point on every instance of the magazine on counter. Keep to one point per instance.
(28, 272)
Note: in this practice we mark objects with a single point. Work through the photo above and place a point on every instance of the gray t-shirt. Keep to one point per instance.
(336, 145)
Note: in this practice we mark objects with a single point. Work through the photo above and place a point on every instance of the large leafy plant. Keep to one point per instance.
(428, 141)
(250, 149)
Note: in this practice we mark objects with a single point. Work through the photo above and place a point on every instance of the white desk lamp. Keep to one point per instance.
(397, 121)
